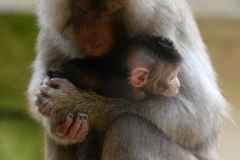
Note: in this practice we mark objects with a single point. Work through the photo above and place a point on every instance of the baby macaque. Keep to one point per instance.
(145, 66)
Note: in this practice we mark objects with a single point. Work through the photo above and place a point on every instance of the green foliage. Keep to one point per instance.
(20, 138)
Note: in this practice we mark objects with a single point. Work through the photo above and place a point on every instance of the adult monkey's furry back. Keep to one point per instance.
(185, 126)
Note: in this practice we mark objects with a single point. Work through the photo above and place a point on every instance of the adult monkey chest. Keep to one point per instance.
(98, 25)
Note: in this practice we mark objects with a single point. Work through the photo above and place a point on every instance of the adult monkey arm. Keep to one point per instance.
(192, 118)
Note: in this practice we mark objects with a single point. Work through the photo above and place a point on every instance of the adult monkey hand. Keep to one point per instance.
(162, 128)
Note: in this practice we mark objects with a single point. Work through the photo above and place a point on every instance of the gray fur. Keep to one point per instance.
(191, 119)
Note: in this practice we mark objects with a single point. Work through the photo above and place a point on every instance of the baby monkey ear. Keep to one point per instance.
(139, 77)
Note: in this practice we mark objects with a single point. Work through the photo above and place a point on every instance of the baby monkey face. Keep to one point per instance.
(167, 83)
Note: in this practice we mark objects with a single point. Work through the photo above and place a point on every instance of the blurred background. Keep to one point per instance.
(22, 139)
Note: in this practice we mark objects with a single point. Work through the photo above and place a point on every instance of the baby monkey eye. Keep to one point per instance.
(165, 86)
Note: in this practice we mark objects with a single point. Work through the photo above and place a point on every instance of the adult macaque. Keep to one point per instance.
(147, 66)
(185, 126)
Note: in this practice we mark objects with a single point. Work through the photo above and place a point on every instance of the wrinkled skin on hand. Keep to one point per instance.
(54, 94)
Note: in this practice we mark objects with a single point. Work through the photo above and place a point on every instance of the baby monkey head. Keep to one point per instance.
(153, 63)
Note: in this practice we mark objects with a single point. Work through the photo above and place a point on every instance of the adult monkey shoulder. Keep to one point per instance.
(191, 119)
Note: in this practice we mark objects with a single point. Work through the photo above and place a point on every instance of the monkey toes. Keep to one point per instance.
(51, 93)
(44, 99)
(75, 129)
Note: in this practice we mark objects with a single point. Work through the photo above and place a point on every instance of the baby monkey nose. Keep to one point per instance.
(178, 85)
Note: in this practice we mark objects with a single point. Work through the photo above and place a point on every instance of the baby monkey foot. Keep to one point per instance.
(73, 129)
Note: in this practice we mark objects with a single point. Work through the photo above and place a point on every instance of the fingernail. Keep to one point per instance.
(85, 118)
(70, 116)
(80, 118)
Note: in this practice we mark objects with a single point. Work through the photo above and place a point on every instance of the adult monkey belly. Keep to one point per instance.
(185, 126)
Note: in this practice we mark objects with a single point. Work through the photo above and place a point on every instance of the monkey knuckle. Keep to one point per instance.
(38, 95)
(51, 94)
(71, 136)
(43, 88)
